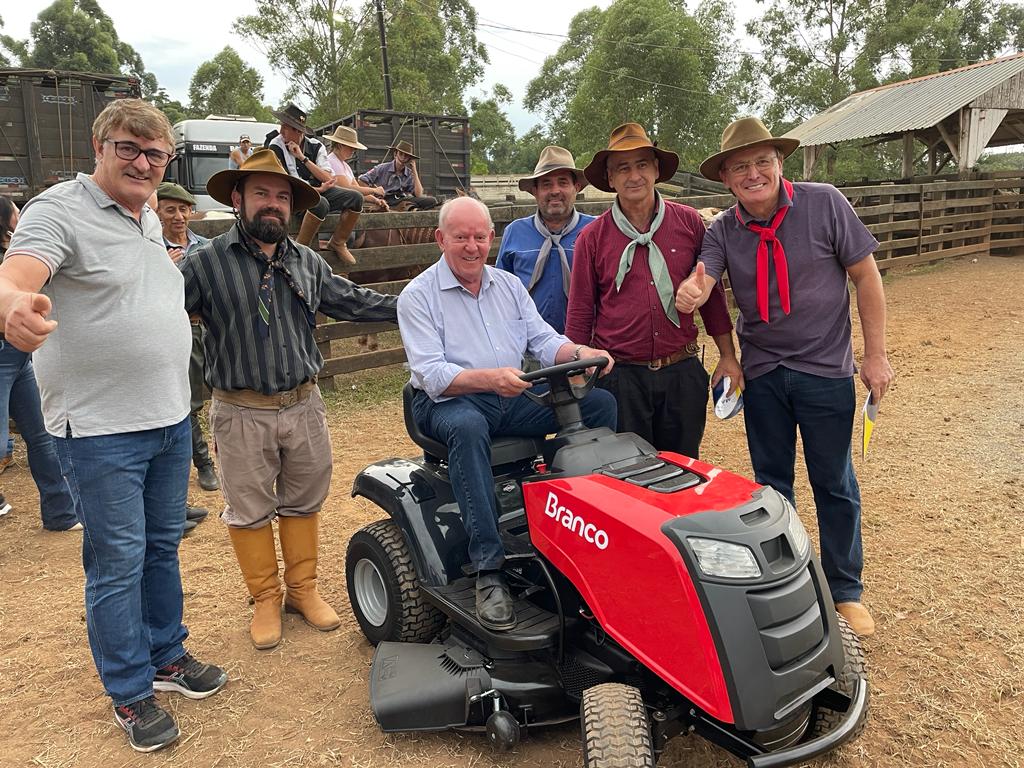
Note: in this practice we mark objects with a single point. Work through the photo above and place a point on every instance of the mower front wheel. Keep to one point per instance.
(825, 720)
(616, 733)
(384, 590)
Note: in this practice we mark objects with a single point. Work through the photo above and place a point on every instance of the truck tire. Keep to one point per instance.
(383, 587)
(616, 733)
(826, 720)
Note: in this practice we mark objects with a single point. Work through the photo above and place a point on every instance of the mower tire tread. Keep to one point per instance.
(415, 620)
(616, 733)
(825, 720)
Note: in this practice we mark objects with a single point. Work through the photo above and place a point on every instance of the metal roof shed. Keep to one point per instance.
(965, 109)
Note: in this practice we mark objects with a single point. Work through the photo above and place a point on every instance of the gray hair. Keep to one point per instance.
(442, 217)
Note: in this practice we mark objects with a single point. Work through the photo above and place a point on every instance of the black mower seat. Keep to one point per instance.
(504, 450)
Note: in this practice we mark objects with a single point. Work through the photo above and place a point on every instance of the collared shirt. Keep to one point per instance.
(384, 175)
(194, 241)
(630, 322)
(289, 159)
(117, 361)
(518, 252)
(222, 282)
(822, 237)
(447, 330)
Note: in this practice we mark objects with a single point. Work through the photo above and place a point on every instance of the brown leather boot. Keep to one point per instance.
(857, 617)
(257, 557)
(339, 240)
(299, 545)
(308, 231)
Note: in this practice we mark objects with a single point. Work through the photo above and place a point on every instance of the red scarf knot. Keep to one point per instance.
(767, 235)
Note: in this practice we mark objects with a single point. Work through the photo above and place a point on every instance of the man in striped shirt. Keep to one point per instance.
(258, 292)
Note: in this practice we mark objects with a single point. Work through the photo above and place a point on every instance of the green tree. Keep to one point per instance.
(493, 138)
(76, 35)
(11, 50)
(226, 85)
(174, 109)
(648, 61)
(331, 52)
(527, 149)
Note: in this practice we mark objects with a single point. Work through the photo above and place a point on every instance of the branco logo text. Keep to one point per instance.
(586, 531)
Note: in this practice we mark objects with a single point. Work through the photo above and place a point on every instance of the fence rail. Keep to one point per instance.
(915, 221)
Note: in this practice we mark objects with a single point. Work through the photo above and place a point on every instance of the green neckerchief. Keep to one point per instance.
(655, 258)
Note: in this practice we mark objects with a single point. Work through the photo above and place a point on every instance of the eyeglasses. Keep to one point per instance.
(762, 164)
(127, 150)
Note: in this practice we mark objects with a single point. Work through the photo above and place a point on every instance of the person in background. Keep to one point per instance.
(19, 400)
(344, 143)
(399, 179)
(240, 153)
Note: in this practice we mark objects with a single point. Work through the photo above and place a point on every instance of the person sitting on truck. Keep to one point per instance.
(305, 157)
(400, 179)
(344, 143)
(240, 153)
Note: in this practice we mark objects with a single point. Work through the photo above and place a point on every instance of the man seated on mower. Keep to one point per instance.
(465, 327)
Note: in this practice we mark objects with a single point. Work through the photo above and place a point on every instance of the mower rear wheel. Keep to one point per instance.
(383, 587)
(826, 720)
(616, 733)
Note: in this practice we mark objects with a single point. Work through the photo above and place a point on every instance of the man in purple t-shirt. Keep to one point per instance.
(789, 249)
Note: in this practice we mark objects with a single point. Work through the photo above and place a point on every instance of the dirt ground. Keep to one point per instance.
(943, 537)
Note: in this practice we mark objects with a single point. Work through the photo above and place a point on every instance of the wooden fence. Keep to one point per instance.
(915, 221)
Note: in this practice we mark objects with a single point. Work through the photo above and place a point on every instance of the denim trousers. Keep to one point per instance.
(466, 425)
(774, 405)
(19, 400)
(132, 488)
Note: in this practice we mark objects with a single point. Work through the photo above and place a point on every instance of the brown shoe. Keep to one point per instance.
(857, 617)
(257, 558)
(299, 548)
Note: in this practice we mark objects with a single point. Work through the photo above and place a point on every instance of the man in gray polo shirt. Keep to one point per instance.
(88, 284)
(789, 249)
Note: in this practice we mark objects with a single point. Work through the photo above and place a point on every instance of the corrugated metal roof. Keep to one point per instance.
(906, 106)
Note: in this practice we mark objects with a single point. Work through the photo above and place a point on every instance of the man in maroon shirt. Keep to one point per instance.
(626, 269)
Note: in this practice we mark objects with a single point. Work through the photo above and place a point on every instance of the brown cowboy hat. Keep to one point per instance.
(344, 135)
(406, 147)
(223, 182)
(626, 137)
(553, 159)
(294, 117)
(742, 134)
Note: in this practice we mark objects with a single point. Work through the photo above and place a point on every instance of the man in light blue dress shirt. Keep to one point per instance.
(465, 327)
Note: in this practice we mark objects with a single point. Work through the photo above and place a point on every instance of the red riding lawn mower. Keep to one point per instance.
(655, 594)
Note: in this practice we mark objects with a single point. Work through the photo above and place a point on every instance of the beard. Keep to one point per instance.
(266, 225)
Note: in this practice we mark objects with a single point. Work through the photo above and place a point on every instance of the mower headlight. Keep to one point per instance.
(725, 560)
(797, 532)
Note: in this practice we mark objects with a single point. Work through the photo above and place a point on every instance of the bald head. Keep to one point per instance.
(461, 206)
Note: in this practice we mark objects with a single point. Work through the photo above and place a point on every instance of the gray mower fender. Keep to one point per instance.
(422, 506)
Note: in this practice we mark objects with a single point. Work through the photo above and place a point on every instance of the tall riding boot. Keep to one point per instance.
(257, 557)
(299, 545)
(339, 240)
(308, 230)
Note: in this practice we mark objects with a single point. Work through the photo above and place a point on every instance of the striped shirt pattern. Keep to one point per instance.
(222, 283)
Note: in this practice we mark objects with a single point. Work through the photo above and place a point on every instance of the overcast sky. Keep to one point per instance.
(175, 38)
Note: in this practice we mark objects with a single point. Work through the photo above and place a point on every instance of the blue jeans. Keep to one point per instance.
(132, 487)
(19, 400)
(774, 405)
(466, 425)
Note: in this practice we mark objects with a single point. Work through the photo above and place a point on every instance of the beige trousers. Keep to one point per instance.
(271, 462)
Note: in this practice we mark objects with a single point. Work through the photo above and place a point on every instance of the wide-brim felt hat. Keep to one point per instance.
(294, 117)
(553, 159)
(344, 135)
(223, 182)
(625, 138)
(740, 134)
(406, 147)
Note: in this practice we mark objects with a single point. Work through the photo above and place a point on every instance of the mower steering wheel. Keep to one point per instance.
(562, 390)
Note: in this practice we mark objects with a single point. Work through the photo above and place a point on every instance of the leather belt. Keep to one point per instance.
(690, 350)
(249, 398)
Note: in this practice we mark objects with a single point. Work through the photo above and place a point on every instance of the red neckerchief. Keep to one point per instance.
(778, 253)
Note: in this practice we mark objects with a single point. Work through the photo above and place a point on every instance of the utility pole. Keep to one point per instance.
(388, 101)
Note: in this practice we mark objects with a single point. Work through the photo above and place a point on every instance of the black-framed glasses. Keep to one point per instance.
(128, 150)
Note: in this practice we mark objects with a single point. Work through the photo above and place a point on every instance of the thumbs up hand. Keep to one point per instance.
(694, 290)
(26, 326)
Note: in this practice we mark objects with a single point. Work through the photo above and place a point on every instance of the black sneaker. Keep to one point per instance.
(190, 678)
(147, 724)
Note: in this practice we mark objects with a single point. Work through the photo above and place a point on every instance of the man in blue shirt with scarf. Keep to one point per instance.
(538, 249)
